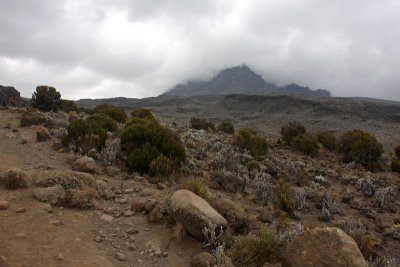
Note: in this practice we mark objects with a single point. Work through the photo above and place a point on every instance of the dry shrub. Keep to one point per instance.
(197, 187)
(291, 130)
(247, 139)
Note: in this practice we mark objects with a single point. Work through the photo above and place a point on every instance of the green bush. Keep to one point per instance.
(143, 113)
(196, 187)
(68, 105)
(104, 121)
(46, 98)
(327, 140)
(144, 141)
(396, 165)
(361, 148)
(201, 124)
(284, 197)
(306, 143)
(85, 135)
(226, 127)
(290, 131)
(248, 139)
(116, 113)
(161, 166)
(257, 249)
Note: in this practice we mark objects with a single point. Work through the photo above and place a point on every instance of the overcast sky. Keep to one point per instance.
(133, 48)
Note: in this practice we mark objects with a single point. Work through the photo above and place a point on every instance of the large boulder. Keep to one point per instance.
(9, 96)
(327, 247)
(194, 213)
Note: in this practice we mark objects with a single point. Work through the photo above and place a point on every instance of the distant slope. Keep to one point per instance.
(239, 80)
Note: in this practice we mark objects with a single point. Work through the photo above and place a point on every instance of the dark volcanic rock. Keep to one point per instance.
(9, 96)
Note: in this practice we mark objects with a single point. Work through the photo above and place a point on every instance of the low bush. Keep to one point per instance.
(327, 140)
(85, 135)
(396, 165)
(103, 121)
(290, 131)
(306, 143)
(201, 124)
(116, 113)
(284, 197)
(257, 249)
(361, 148)
(143, 113)
(145, 140)
(197, 187)
(161, 166)
(253, 142)
(68, 105)
(226, 127)
(14, 180)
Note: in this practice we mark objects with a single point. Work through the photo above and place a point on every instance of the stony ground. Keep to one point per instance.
(126, 226)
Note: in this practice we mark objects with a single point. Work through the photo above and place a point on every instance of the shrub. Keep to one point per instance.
(284, 197)
(143, 113)
(306, 143)
(14, 179)
(226, 127)
(103, 121)
(46, 98)
(258, 249)
(116, 113)
(68, 105)
(291, 130)
(161, 166)
(85, 135)
(255, 143)
(201, 124)
(396, 165)
(327, 140)
(361, 148)
(196, 187)
(147, 141)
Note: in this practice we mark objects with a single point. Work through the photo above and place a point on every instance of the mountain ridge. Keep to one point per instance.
(239, 80)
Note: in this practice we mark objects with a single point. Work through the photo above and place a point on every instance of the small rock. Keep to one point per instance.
(4, 205)
(84, 164)
(128, 190)
(20, 235)
(161, 186)
(132, 231)
(120, 256)
(57, 223)
(132, 247)
(165, 254)
(106, 218)
(203, 259)
(20, 210)
(128, 213)
(59, 257)
(158, 253)
(98, 238)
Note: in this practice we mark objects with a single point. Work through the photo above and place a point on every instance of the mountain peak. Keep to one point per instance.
(238, 80)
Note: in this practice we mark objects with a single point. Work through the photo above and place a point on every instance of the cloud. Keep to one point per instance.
(141, 48)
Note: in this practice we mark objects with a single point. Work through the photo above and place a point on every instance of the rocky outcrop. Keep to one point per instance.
(84, 164)
(9, 96)
(194, 213)
(328, 247)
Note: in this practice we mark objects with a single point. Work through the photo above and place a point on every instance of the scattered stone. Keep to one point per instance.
(20, 235)
(57, 223)
(203, 259)
(137, 204)
(132, 231)
(120, 256)
(42, 135)
(165, 254)
(132, 247)
(4, 205)
(128, 190)
(330, 247)
(60, 257)
(20, 210)
(161, 186)
(107, 218)
(128, 213)
(98, 239)
(11, 135)
(84, 164)
(194, 213)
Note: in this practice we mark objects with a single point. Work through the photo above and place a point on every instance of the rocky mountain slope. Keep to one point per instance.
(239, 80)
